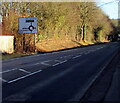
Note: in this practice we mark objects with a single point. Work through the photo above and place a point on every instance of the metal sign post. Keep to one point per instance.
(28, 25)
(35, 42)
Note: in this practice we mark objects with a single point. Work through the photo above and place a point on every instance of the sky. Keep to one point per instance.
(110, 7)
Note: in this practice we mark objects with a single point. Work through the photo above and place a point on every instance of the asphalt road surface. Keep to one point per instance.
(57, 76)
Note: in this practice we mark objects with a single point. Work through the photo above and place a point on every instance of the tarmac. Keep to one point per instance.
(113, 94)
(106, 88)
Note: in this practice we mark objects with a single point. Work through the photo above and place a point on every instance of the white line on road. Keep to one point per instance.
(56, 64)
(63, 61)
(59, 63)
(24, 71)
(8, 70)
(76, 56)
(24, 76)
(45, 64)
(3, 80)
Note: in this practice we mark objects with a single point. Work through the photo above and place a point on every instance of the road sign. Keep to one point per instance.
(28, 25)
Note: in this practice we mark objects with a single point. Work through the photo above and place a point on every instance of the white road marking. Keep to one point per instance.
(59, 63)
(36, 64)
(24, 71)
(63, 61)
(3, 80)
(27, 66)
(8, 70)
(44, 63)
(56, 64)
(76, 56)
(24, 76)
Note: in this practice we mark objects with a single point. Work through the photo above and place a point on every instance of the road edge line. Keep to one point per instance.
(81, 95)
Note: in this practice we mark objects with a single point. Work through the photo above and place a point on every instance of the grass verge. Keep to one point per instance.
(10, 56)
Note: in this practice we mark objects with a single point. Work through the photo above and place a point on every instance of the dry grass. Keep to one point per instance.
(53, 44)
(49, 45)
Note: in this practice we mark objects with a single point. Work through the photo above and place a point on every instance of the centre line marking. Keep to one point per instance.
(57, 60)
(45, 64)
(76, 56)
(8, 70)
(59, 63)
(24, 71)
(24, 76)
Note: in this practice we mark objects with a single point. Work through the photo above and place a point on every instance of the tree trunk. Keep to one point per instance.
(83, 33)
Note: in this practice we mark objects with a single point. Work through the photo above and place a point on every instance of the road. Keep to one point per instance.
(57, 76)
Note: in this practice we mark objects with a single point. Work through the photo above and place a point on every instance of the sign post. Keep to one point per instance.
(28, 25)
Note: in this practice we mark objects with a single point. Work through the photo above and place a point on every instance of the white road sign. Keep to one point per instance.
(28, 25)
